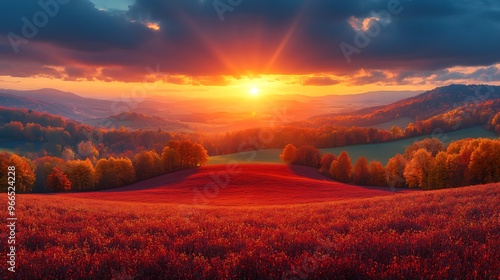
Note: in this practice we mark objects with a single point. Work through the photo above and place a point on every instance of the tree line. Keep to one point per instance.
(53, 174)
(426, 164)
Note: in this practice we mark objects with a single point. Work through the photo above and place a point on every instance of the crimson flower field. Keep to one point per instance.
(452, 234)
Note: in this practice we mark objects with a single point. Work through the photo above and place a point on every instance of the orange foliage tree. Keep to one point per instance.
(58, 181)
(341, 168)
(395, 171)
(361, 174)
(377, 174)
(289, 154)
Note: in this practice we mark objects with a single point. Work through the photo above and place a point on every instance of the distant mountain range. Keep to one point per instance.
(208, 115)
(431, 103)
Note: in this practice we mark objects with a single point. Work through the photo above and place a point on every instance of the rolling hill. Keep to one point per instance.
(246, 185)
(423, 106)
(446, 234)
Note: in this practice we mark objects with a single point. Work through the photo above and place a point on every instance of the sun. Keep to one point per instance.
(254, 91)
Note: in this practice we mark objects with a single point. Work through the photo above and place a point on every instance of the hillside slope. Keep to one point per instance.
(423, 106)
(248, 184)
(446, 234)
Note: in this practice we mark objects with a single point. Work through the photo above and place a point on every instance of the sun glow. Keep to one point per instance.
(254, 91)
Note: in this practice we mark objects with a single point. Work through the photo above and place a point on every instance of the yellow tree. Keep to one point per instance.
(4, 165)
(25, 173)
(396, 132)
(147, 164)
(170, 159)
(484, 165)
(341, 168)
(113, 173)
(394, 171)
(432, 145)
(417, 170)
(361, 174)
(439, 175)
(81, 173)
(289, 154)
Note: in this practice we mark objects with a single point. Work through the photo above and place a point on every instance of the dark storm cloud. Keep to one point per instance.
(256, 36)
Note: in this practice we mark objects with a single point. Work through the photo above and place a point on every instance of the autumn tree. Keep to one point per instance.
(199, 155)
(361, 174)
(68, 154)
(147, 164)
(395, 171)
(418, 168)
(439, 175)
(341, 168)
(44, 167)
(326, 162)
(57, 181)
(170, 159)
(396, 132)
(81, 173)
(432, 145)
(4, 165)
(484, 165)
(377, 174)
(86, 149)
(459, 156)
(308, 156)
(25, 173)
(289, 154)
(114, 172)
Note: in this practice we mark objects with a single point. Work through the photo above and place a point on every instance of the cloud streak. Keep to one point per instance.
(281, 37)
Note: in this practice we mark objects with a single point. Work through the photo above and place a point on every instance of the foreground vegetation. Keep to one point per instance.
(446, 234)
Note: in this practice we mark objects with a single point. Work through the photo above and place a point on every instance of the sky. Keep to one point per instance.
(229, 47)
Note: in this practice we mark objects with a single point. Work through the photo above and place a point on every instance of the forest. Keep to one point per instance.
(426, 164)
(86, 171)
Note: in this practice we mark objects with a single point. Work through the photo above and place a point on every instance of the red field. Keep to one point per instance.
(448, 234)
(242, 185)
